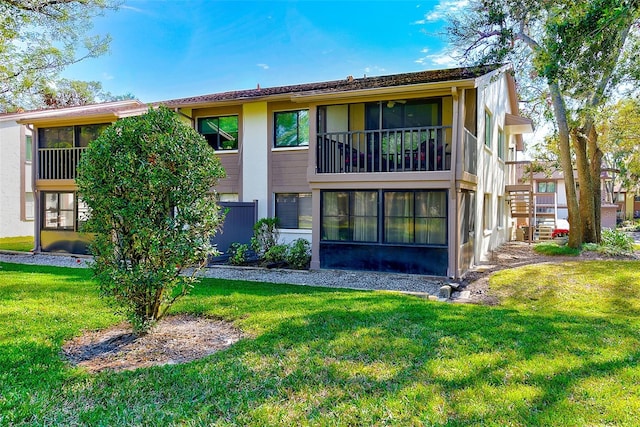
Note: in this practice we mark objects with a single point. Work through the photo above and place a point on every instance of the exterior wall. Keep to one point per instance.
(15, 175)
(255, 155)
(493, 95)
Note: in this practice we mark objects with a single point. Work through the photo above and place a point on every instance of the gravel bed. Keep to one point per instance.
(327, 278)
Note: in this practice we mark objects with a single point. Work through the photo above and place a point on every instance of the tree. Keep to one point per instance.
(70, 93)
(574, 54)
(40, 38)
(148, 182)
(620, 143)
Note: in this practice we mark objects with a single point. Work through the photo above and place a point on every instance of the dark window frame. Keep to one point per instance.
(282, 222)
(380, 218)
(76, 132)
(300, 142)
(217, 145)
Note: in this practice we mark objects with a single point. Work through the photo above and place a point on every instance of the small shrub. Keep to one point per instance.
(615, 242)
(553, 249)
(238, 253)
(299, 254)
(276, 254)
(265, 235)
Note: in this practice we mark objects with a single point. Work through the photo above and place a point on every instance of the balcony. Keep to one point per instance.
(58, 163)
(396, 150)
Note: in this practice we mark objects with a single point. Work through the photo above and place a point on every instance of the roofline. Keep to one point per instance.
(52, 113)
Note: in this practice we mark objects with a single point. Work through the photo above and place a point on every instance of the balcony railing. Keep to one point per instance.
(58, 163)
(397, 150)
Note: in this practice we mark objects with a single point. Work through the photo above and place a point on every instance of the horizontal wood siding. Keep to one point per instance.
(230, 184)
(289, 171)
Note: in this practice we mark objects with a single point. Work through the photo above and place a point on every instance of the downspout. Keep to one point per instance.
(454, 232)
(35, 167)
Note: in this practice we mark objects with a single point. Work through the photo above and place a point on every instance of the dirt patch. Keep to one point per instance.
(175, 339)
(512, 255)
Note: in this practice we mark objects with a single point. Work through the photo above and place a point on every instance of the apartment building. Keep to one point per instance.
(401, 173)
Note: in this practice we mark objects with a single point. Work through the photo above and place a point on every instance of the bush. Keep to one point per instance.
(147, 181)
(276, 254)
(265, 235)
(299, 254)
(238, 253)
(615, 242)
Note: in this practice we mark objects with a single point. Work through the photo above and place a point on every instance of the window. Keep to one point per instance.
(406, 217)
(228, 197)
(500, 211)
(546, 187)
(415, 217)
(468, 209)
(69, 136)
(292, 128)
(59, 211)
(487, 212)
(293, 210)
(350, 216)
(488, 131)
(220, 132)
(501, 141)
(28, 148)
(63, 211)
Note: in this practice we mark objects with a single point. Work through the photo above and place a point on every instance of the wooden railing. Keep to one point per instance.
(58, 163)
(397, 150)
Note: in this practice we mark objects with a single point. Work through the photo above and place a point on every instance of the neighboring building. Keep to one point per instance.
(16, 193)
(401, 173)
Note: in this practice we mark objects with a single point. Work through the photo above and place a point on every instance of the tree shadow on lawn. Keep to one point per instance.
(415, 361)
(342, 357)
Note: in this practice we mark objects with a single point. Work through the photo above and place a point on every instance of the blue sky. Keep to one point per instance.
(177, 48)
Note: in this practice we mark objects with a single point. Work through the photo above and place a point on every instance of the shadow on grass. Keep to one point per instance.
(324, 356)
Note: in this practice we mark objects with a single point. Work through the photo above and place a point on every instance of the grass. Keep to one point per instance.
(21, 243)
(553, 249)
(562, 349)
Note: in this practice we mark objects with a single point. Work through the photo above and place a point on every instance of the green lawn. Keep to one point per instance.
(21, 243)
(562, 349)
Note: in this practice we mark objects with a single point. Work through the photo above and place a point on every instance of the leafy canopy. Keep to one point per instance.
(148, 181)
(39, 38)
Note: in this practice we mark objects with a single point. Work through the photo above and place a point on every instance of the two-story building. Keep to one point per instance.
(400, 173)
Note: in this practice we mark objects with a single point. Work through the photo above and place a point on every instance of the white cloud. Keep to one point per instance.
(263, 66)
(106, 76)
(444, 8)
(443, 59)
(374, 70)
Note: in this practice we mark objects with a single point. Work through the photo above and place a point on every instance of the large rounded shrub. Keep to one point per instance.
(148, 181)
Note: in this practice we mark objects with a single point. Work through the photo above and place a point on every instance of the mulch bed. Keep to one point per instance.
(175, 339)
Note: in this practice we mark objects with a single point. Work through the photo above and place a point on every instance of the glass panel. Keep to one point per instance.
(365, 216)
(398, 223)
(66, 201)
(303, 127)
(398, 230)
(292, 128)
(51, 210)
(487, 128)
(28, 148)
(304, 211)
(431, 204)
(66, 220)
(89, 133)
(421, 114)
(431, 231)
(228, 133)
(287, 210)
(57, 137)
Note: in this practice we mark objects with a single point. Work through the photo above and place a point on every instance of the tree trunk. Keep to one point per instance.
(564, 147)
(586, 197)
(595, 169)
